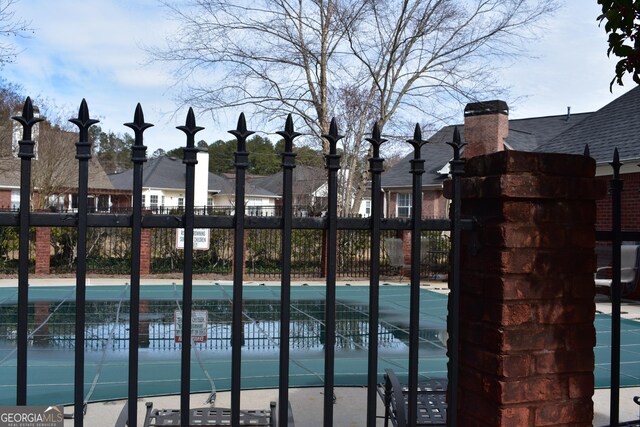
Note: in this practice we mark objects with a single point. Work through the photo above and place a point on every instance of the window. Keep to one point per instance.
(153, 202)
(144, 202)
(15, 200)
(254, 210)
(103, 203)
(367, 208)
(181, 202)
(404, 205)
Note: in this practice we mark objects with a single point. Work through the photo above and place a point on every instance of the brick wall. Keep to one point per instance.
(526, 299)
(630, 203)
(145, 252)
(434, 205)
(43, 250)
(5, 199)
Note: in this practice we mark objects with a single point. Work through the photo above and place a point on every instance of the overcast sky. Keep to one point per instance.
(91, 49)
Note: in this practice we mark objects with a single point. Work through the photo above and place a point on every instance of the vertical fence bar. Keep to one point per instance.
(83, 154)
(457, 170)
(26, 153)
(333, 165)
(288, 163)
(376, 168)
(417, 169)
(138, 157)
(241, 163)
(616, 242)
(190, 160)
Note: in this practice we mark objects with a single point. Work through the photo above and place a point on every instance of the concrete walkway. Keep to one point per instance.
(307, 403)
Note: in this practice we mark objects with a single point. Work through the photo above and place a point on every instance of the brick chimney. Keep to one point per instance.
(486, 125)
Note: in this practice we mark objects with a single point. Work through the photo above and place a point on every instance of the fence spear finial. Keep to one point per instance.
(376, 140)
(288, 134)
(138, 150)
(83, 121)
(27, 120)
(190, 128)
(241, 133)
(333, 137)
(456, 144)
(417, 142)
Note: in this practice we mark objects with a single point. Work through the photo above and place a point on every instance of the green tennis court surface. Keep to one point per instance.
(52, 323)
(52, 310)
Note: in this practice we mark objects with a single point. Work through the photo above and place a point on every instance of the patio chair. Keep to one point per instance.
(432, 401)
(629, 261)
(210, 416)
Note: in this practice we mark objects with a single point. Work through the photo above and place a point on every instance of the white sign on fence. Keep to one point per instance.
(200, 239)
(199, 321)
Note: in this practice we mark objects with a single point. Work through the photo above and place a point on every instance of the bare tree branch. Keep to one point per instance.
(11, 26)
(365, 60)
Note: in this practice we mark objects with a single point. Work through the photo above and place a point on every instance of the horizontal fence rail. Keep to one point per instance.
(247, 240)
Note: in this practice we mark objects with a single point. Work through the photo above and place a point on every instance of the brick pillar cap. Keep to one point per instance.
(486, 107)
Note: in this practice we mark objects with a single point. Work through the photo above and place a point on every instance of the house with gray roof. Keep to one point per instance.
(308, 189)
(614, 125)
(54, 173)
(164, 183)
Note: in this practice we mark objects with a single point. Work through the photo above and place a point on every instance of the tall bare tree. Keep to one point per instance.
(399, 60)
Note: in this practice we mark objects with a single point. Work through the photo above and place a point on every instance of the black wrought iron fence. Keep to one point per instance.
(109, 252)
(240, 225)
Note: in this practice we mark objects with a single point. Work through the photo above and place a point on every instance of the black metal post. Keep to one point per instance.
(25, 153)
(190, 160)
(288, 163)
(376, 168)
(616, 242)
(241, 163)
(333, 165)
(138, 156)
(457, 170)
(417, 169)
(83, 154)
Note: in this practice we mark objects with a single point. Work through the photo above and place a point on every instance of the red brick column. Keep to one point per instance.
(43, 250)
(527, 290)
(145, 252)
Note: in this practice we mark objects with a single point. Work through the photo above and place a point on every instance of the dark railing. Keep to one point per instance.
(240, 225)
(610, 247)
(109, 251)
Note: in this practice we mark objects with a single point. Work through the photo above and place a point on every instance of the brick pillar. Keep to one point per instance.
(527, 290)
(43, 250)
(145, 252)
